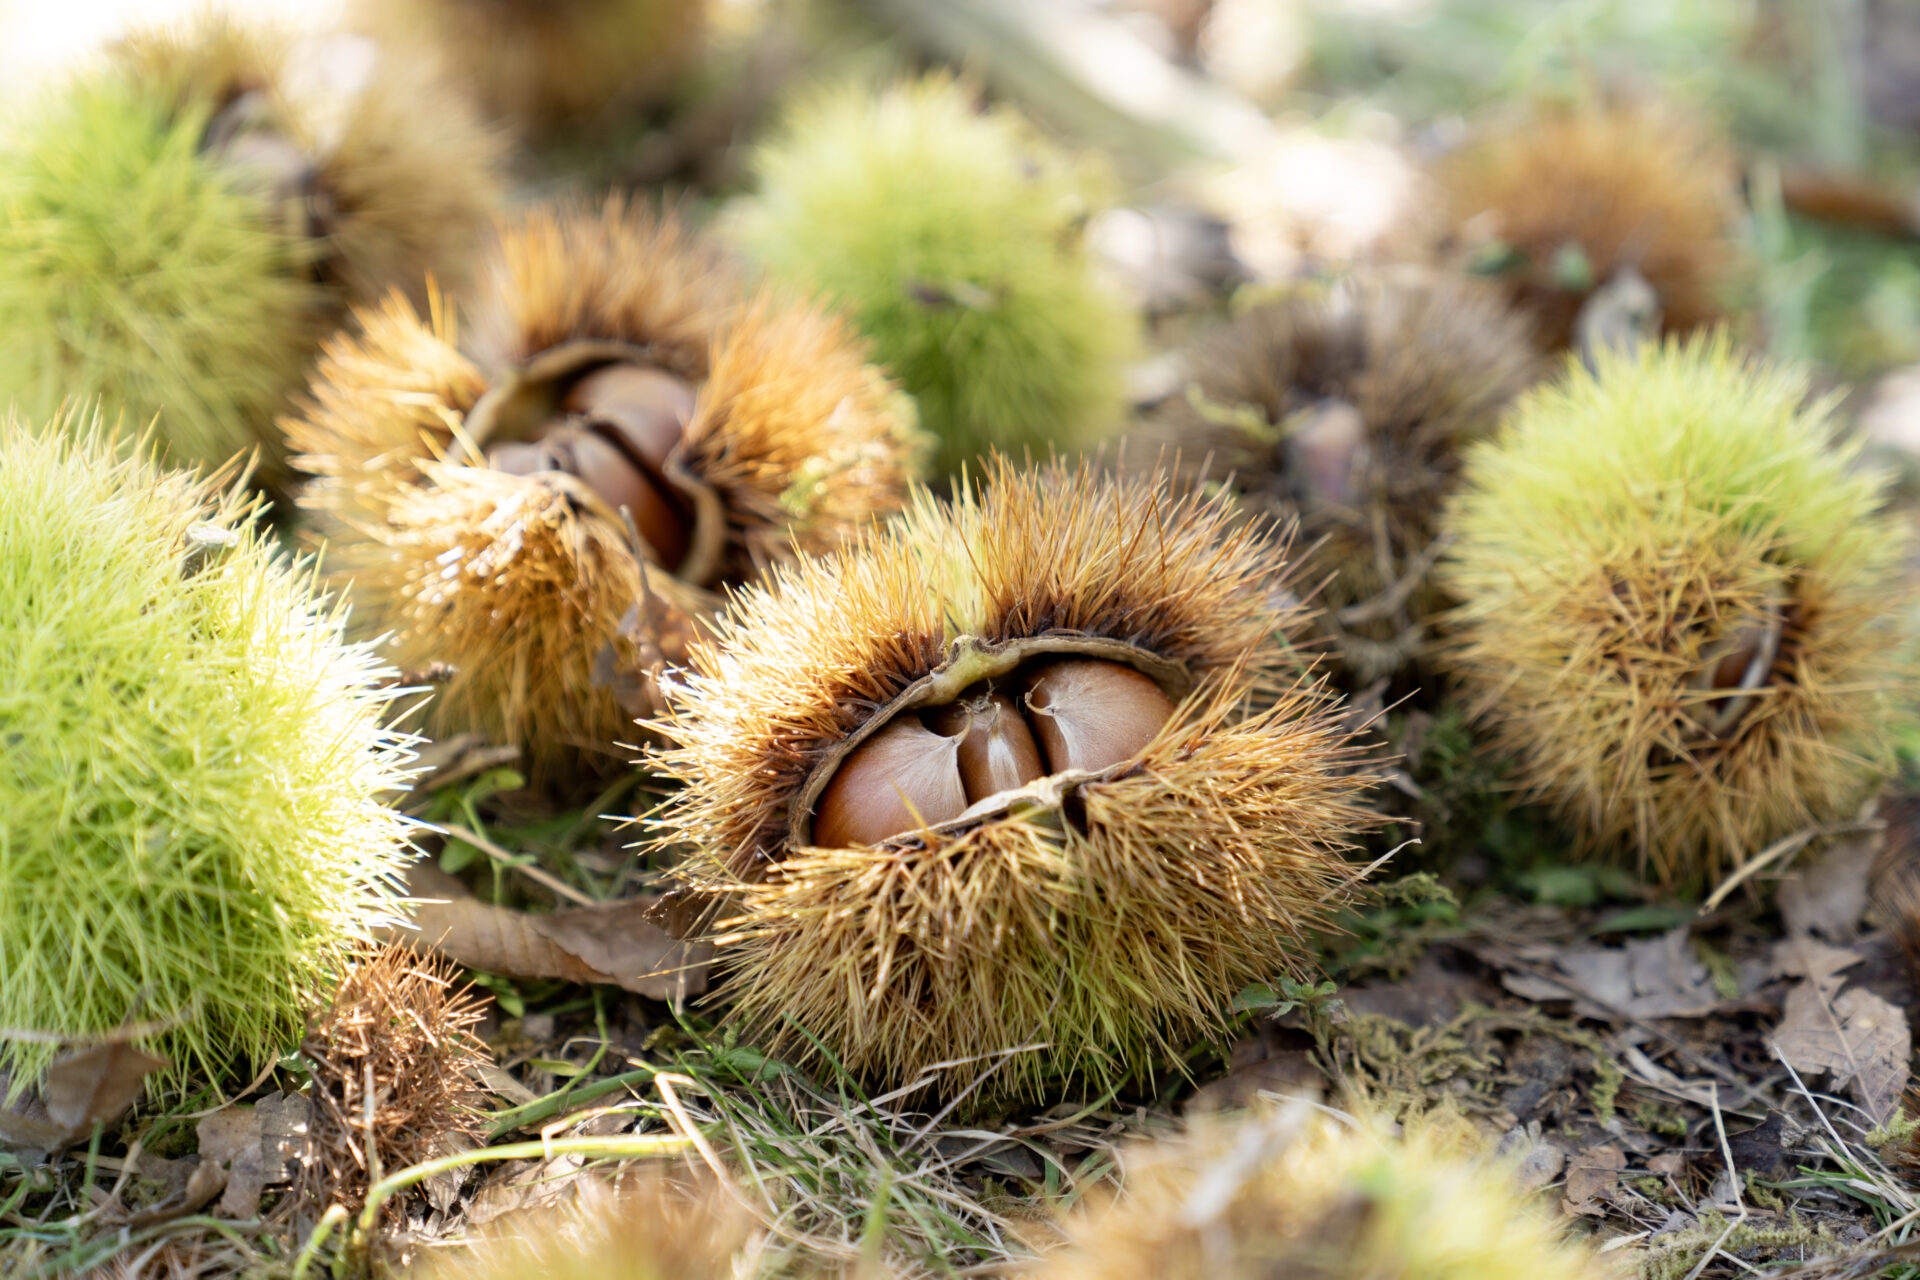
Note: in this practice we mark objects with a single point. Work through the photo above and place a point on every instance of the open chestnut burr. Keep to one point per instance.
(1036, 766)
(551, 508)
(1351, 409)
(616, 427)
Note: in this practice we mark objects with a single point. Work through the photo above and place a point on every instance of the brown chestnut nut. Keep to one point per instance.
(997, 750)
(1329, 447)
(903, 778)
(1089, 713)
(1746, 656)
(1739, 664)
(650, 408)
(606, 469)
(519, 458)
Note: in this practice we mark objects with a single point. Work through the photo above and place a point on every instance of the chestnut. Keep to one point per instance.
(1739, 664)
(1329, 450)
(604, 467)
(648, 407)
(903, 778)
(1090, 713)
(997, 750)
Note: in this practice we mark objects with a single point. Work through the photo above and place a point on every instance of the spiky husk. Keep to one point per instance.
(1428, 362)
(550, 64)
(1637, 186)
(1296, 1193)
(189, 826)
(953, 238)
(1618, 529)
(655, 1224)
(134, 273)
(139, 269)
(396, 1070)
(1114, 935)
(405, 175)
(540, 602)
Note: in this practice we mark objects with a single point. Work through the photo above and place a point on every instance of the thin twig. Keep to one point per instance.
(550, 882)
(1396, 594)
(1784, 847)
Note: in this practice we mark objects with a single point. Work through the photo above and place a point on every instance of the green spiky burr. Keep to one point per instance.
(181, 225)
(135, 273)
(1681, 600)
(190, 829)
(953, 236)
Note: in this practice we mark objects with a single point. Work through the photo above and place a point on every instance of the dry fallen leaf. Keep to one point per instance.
(1539, 1159)
(1805, 958)
(1862, 1040)
(1255, 1068)
(1668, 1164)
(1591, 1177)
(617, 943)
(1829, 897)
(204, 1182)
(1647, 978)
(256, 1145)
(89, 1086)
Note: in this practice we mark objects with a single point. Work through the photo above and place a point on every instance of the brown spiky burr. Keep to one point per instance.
(1347, 409)
(383, 175)
(550, 516)
(1036, 768)
(548, 65)
(396, 1071)
(1560, 201)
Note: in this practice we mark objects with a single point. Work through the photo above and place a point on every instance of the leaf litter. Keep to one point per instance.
(1663, 1089)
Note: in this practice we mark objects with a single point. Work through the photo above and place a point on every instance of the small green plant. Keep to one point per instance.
(190, 825)
(953, 236)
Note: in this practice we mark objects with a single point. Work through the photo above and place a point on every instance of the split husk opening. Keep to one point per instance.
(970, 661)
(529, 397)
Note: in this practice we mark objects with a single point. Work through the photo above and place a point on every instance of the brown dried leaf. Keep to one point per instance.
(617, 942)
(89, 1086)
(25, 1125)
(1669, 1164)
(256, 1145)
(1647, 978)
(1539, 1158)
(206, 1181)
(1829, 897)
(1860, 1039)
(1805, 958)
(1257, 1068)
(1591, 1177)
(97, 1084)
